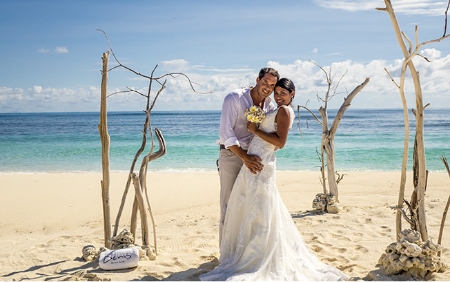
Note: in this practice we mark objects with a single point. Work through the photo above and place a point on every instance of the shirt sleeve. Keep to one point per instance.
(228, 120)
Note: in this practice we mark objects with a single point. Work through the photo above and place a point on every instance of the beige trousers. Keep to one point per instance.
(229, 167)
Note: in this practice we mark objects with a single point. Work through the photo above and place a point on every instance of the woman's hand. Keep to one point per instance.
(252, 127)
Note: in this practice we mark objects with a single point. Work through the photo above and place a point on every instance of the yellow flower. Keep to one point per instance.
(255, 114)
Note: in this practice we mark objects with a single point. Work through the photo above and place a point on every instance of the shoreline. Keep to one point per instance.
(201, 170)
(46, 220)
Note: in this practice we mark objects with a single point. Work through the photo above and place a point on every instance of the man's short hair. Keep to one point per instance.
(271, 71)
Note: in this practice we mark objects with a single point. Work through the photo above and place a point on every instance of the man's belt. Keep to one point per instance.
(222, 146)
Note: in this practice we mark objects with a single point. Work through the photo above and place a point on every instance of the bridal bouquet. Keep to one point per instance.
(255, 114)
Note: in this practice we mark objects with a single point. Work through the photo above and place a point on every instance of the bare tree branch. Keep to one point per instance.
(392, 79)
(445, 25)
(409, 42)
(173, 75)
(345, 105)
(444, 215)
(127, 91)
(403, 212)
(335, 87)
(313, 114)
(339, 178)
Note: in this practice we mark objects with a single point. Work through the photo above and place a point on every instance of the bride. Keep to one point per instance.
(260, 240)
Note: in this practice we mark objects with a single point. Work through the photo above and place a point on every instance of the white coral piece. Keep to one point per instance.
(149, 252)
(410, 235)
(125, 239)
(90, 253)
(413, 256)
(325, 202)
(411, 249)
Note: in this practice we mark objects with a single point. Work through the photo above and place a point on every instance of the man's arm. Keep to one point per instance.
(252, 162)
(228, 137)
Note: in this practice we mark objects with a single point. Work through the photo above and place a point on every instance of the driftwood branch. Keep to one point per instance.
(133, 164)
(127, 91)
(173, 75)
(127, 185)
(141, 201)
(444, 215)
(322, 169)
(417, 218)
(328, 133)
(445, 22)
(140, 205)
(401, 194)
(412, 219)
(330, 78)
(347, 101)
(311, 112)
(339, 177)
(328, 137)
(104, 136)
(143, 176)
(403, 212)
(421, 172)
(410, 45)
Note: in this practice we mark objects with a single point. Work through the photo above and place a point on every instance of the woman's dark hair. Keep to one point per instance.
(271, 71)
(286, 83)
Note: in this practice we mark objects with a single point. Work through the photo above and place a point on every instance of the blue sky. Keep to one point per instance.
(50, 51)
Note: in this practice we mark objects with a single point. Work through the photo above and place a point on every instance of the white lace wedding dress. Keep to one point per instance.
(260, 240)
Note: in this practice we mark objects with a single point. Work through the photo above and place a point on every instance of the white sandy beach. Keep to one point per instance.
(46, 220)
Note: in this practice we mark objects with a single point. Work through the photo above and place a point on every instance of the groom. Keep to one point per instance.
(234, 137)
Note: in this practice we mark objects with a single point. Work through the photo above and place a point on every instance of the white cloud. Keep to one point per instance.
(213, 69)
(179, 65)
(37, 89)
(43, 50)
(315, 50)
(38, 99)
(61, 50)
(182, 65)
(413, 7)
(334, 54)
(350, 5)
(431, 54)
(309, 80)
(58, 50)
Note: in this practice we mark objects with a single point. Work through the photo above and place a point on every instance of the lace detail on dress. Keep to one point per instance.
(241, 200)
(260, 241)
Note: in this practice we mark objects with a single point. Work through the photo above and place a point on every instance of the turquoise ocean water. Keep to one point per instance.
(367, 140)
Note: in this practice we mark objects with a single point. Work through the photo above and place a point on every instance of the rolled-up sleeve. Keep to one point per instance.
(228, 120)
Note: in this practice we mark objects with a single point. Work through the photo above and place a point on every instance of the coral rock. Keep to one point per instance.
(125, 239)
(325, 203)
(90, 253)
(413, 256)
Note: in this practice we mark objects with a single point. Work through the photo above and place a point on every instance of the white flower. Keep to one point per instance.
(255, 114)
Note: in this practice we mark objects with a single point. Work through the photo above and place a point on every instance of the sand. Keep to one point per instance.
(46, 220)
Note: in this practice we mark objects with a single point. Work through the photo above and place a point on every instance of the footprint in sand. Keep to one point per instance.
(343, 237)
(386, 230)
(361, 249)
(330, 259)
(316, 248)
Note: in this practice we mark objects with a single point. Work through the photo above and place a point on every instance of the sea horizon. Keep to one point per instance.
(203, 110)
(58, 142)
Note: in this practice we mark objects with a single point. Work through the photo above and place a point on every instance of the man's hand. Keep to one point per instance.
(252, 127)
(252, 162)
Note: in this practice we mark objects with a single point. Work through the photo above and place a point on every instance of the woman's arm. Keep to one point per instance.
(279, 137)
